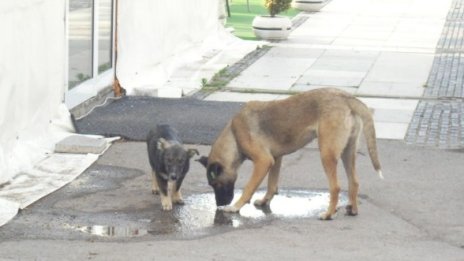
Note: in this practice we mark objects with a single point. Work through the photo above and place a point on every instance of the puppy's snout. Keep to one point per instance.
(173, 176)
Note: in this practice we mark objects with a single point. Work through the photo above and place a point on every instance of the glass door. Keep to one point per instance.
(90, 48)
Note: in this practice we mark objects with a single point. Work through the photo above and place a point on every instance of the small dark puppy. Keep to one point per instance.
(170, 162)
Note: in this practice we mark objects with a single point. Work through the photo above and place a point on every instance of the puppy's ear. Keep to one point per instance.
(203, 160)
(163, 144)
(192, 152)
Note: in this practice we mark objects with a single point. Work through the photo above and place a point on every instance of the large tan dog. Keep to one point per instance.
(265, 131)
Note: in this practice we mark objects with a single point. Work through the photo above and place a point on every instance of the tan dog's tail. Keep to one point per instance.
(363, 112)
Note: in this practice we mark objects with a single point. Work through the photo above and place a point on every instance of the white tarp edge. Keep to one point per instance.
(47, 176)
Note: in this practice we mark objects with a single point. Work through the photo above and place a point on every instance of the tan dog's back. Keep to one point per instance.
(291, 123)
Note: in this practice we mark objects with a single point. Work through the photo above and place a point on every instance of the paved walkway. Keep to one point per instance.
(439, 120)
(386, 53)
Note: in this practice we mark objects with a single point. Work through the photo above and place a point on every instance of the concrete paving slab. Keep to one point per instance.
(416, 32)
(346, 60)
(242, 97)
(401, 67)
(277, 70)
(401, 74)
(390, 89)
(368, 31)
(391, 116)
(272, 73)
(332, 78)
(390, 130)
(394, 111)
(301, 87)
(395, 104)
(80, 144)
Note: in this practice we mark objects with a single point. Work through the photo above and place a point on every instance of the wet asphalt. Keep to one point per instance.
(109, 212)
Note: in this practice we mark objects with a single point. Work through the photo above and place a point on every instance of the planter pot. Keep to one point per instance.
(309, 5)
(272, 28)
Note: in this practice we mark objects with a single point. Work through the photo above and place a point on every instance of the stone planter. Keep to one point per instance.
(309, 5)
(272, 28)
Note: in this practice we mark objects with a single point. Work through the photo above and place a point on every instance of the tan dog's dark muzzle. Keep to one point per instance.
(224, 195)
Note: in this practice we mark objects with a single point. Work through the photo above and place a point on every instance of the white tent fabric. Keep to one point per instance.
(32, 77)
(156, 38)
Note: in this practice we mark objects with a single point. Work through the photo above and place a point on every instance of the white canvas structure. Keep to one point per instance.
(156, 38)
(32, 76)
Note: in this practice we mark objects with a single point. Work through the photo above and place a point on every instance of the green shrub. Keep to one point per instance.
(277, 6)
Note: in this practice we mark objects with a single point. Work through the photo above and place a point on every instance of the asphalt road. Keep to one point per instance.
(109, 213)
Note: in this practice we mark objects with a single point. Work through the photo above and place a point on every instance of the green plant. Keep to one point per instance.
(244, 11)
(204, 82)
(277, 6)
(218, 81)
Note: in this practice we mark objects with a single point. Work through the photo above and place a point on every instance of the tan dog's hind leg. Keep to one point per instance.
(349, 163)
(272, 182)
(154, 184)
(260, 169)
(332, 141)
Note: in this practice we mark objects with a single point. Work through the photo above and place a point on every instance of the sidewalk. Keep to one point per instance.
(384, 52)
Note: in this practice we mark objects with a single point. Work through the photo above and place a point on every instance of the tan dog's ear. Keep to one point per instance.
(192, 152)
(203, 160)
(163, 144)
(213, 171)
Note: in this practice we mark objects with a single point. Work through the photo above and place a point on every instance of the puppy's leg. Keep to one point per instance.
(166, 200)
(260, 169)
(154, 183)
(272, 182)
(177, 198)
(349, 162)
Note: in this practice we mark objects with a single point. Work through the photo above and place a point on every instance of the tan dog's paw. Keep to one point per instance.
(231, 209)
(155, 191)
(350, 211)
(326, 216)
(262, 202)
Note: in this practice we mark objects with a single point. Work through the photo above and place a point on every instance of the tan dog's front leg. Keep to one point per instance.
(260, 169)
(272, 182)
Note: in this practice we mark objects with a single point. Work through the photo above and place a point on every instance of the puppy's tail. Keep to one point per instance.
(363, 112)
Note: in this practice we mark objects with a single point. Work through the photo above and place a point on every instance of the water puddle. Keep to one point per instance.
(111, 231)
(200, 216)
